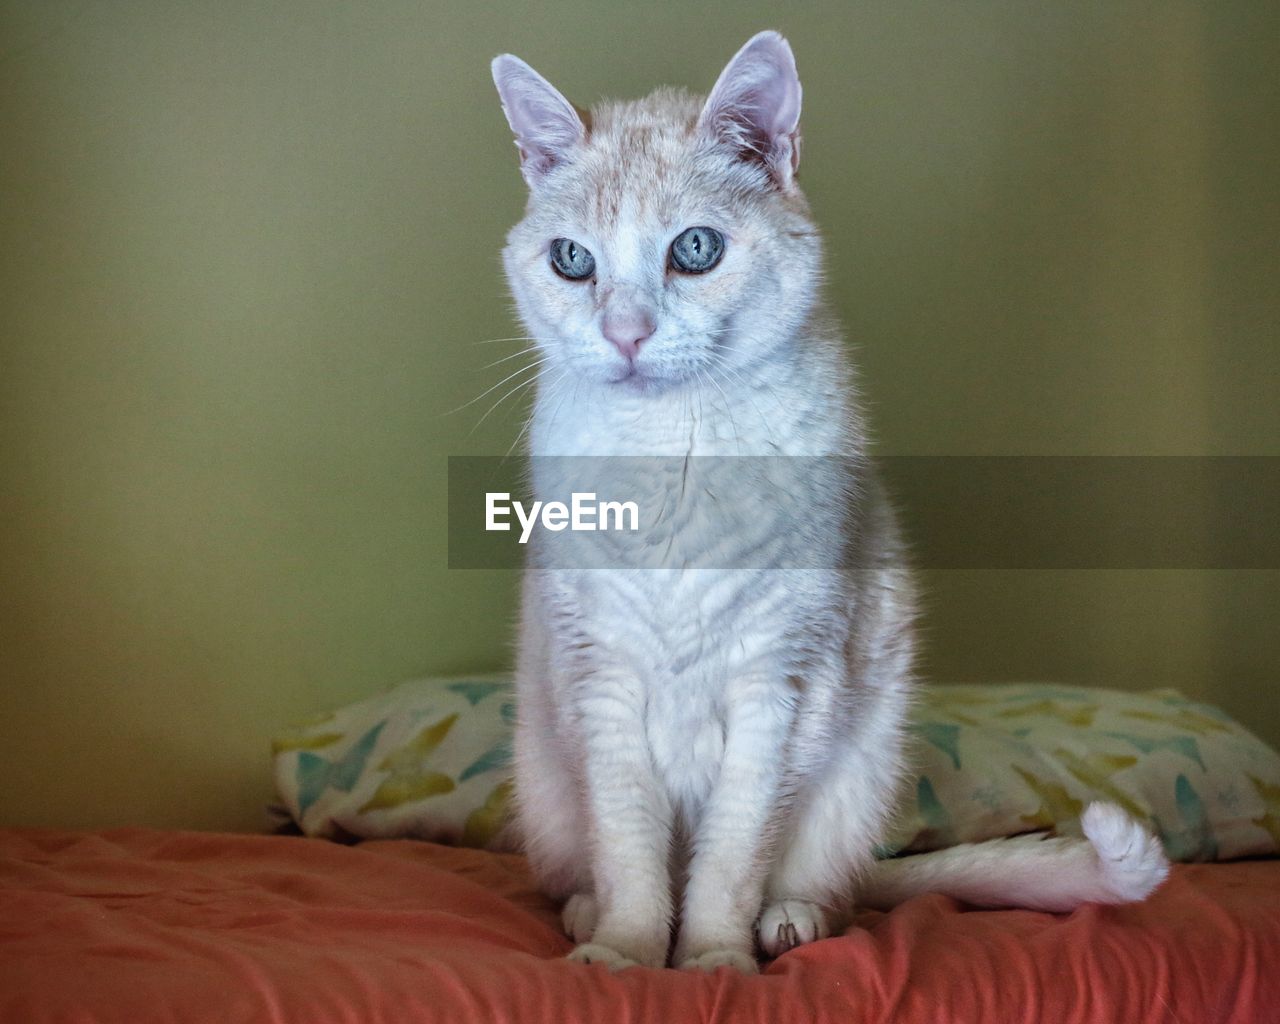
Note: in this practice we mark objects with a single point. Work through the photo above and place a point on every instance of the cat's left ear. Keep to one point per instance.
(755, 106)
(546, 125)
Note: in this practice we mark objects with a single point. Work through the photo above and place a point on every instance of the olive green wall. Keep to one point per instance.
(247, 251)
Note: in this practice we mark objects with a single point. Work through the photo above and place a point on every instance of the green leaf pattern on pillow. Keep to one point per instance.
(1010, 758)
(439, 767)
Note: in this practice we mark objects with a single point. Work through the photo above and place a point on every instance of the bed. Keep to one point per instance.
(420, 912)
(136, 925)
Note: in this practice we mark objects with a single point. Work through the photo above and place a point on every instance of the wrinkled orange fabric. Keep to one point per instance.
(133, 925)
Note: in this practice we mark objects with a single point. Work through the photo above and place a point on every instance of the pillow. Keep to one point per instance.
(996, 760)
(430, 759)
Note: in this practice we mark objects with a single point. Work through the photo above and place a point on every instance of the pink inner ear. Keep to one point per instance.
(755, 104)
(545, 124)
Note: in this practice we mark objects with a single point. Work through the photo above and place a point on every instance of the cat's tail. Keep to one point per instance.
(1119, 861)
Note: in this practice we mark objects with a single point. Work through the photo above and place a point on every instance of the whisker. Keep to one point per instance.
(528, 423)
(577, 383)
(514, 355)
(728, 408)
(515, 390)
(746, 387)
(723, 362)
(531, 366)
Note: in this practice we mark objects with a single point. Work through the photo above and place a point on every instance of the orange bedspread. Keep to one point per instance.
(138, 926)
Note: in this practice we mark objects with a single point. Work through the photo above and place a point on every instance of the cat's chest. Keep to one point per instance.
(695, 629)
(685, 728)
(692, 636)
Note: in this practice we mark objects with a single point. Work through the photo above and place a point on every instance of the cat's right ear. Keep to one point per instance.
(546, 125)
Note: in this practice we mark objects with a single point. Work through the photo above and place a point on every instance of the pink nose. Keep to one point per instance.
(628, 331)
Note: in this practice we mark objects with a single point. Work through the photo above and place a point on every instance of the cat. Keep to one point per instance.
(707, 756)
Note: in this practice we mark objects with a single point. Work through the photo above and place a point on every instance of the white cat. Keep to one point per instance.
(718, 747)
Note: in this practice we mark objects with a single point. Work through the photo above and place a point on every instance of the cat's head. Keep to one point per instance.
(665, 240)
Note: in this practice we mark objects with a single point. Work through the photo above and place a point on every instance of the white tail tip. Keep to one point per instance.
(1132, 859)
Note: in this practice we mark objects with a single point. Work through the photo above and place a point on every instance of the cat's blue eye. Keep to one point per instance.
(697, 250)
(571, 260)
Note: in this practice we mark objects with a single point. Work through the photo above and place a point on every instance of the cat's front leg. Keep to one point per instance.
(727, 873)
(838, 815)
(631, 821)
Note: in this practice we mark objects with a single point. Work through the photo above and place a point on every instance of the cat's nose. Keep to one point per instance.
(627, 331)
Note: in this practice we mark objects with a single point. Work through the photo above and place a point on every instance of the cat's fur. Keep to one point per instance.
(720, 749)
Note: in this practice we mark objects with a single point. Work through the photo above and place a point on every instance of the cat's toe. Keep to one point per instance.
(790, 923)
(714, 958)
(594, 953)
(579, 916)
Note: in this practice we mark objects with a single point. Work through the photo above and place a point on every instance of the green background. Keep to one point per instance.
(248, 251)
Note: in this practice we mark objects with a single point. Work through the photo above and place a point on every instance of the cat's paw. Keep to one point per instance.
(790, 923)
(710, 960)
(579, 916)
(594, 953)
(1132, 860)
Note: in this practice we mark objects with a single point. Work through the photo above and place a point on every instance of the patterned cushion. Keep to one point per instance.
(996, 760)
(430, 759)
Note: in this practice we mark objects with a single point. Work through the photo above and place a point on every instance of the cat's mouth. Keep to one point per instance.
(634, 378)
